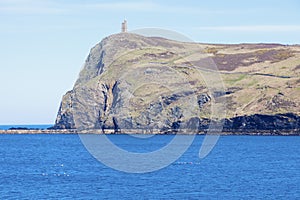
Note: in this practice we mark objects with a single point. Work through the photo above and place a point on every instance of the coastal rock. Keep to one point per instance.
(133, 82)
(64, 119)
(258, 122)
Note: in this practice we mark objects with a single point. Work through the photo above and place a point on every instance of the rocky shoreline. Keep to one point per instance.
(258, 124)
(39, 131)
(295, 132)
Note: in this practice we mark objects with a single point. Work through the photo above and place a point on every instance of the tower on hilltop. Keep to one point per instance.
(124, 26)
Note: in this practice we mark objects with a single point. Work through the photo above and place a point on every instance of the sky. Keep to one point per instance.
(43, 44)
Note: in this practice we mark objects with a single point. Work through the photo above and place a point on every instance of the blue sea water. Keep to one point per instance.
(239, 167)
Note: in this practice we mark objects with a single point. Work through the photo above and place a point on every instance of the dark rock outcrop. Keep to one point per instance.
(259, 122)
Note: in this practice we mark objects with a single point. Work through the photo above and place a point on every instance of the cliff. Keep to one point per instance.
(133, 82)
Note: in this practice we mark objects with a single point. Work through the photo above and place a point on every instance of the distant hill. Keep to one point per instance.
(133, 82)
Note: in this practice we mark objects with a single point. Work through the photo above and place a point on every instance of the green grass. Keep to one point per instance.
(234, 80)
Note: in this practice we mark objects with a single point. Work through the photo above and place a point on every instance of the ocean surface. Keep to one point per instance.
(239, 167)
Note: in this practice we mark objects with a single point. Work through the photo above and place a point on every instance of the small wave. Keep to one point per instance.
(186, 163)
(58, 165)
(55, 174)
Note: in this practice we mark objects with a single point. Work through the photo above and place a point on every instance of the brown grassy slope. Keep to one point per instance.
(258, 78)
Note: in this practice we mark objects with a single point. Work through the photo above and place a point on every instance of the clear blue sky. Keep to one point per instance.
(43, 44)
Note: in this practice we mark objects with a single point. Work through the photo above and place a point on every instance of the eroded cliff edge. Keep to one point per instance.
(135, 82)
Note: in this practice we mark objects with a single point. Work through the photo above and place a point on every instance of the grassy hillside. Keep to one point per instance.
(135, 81)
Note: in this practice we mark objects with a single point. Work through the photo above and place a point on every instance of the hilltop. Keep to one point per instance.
(134, 82)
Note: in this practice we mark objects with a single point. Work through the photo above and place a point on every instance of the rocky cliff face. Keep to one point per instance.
(135, 82)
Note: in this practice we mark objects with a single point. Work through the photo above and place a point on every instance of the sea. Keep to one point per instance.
(45, 166)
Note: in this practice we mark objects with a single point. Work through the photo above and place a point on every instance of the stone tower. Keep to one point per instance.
(124, 26)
